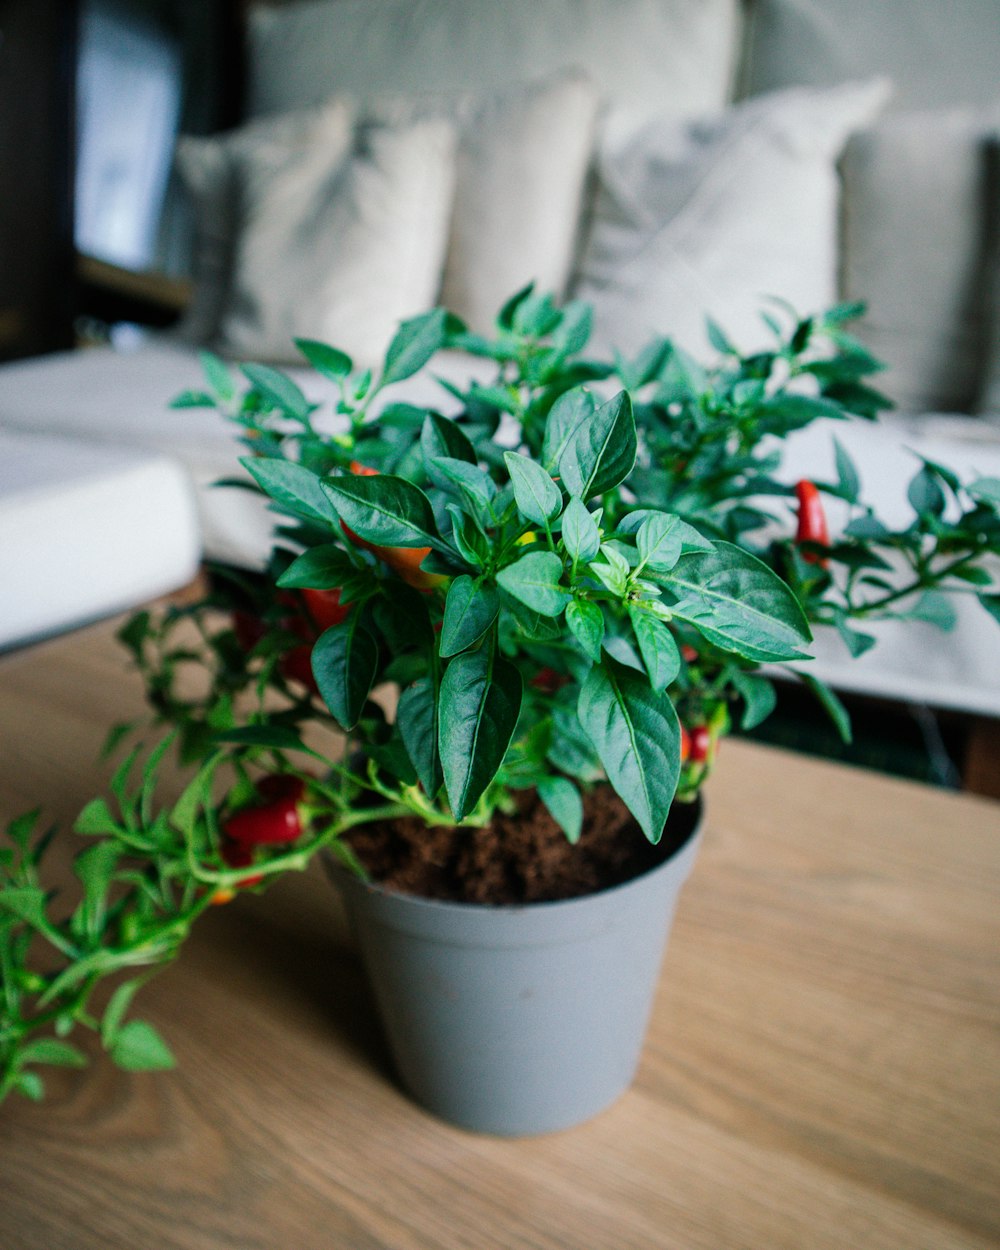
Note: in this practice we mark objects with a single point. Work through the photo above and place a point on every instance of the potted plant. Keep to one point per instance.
(532, 620)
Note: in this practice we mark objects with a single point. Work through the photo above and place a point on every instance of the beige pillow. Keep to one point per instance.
(912, 249)
(710, 218)
(523, 158)
(207, 168)
(336, 247)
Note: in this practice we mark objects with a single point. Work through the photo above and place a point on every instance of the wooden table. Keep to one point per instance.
(823, 1069)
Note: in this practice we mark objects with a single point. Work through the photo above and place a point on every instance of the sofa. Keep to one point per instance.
(663, 160)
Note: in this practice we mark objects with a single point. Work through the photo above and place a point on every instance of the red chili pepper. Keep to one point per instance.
(689, 653)
(325, 608)
(701, 744)
(812, 526)
(548, 680)
(274, 821)
(685, 744)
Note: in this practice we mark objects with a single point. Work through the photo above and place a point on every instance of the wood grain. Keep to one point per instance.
(822, 1070)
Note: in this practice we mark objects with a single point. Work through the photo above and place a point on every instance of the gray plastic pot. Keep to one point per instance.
(518, 1020)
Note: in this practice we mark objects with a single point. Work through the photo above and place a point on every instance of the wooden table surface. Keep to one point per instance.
(823, 1067)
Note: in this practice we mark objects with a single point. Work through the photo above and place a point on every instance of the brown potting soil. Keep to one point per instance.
(519, 858)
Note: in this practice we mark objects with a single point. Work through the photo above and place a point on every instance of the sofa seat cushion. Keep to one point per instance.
(87, 531)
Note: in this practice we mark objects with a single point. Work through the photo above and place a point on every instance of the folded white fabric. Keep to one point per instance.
(712, 217)
(87, 531)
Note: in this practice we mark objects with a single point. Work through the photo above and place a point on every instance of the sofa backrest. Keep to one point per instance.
(676, 57)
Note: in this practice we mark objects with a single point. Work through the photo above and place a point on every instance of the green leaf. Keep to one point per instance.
(571, 410)
(95, 868)
(52, 1051)
(580, 533)
(344, 663)
(293, 488)
(96, 820)
(563, 800)
(193, 399)
(736, 602)
(718, 338)
(573, 330)
(417, 721)
(660, 541)
(691, 540)
(534, 580)
(867, 528)
(636, 735)
(758, 695)
(480, 702)
(538, 498)
(847, 474)
(475, 486)
(114, 1013)
(329, 361)
(278, 389)
(586, 623)
(277, 737)
(415, 342)
(659, 651)
(320, 568)
(601, 452)
(218, 375)
(440, 436)
(925, 494)
(30, 1084)
(27, 903)
(138, 1047)
(935, 608)
(855, 641)
(830, 703)
(992, 605)
(386, 510)
(469, 611)
(986, 490)
(505, 317)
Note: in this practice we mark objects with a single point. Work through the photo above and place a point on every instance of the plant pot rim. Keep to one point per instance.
(344, 878)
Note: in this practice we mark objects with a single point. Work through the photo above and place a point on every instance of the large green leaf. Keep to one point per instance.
(329, 361)
(480, 702)
(344, 662)
(278, 389)
(415, 342)
(571, 410)
(600, 452)
(637, 736)
(586, 623)
(538, 498)
(386, 510)
(321, 568)
(534, 580)
(659, 651)
(563, 800)
(293, 488)
(417, 721)
(440, 436)
(469, 611)
(738, 603)
(580, 533)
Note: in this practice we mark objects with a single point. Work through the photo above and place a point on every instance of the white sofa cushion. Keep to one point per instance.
(711, 217)
(208, 173)
(339, 245)
(523, 159)
(912, 249)
(87, 531)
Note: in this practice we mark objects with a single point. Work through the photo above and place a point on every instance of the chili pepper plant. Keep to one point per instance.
(577, 572)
